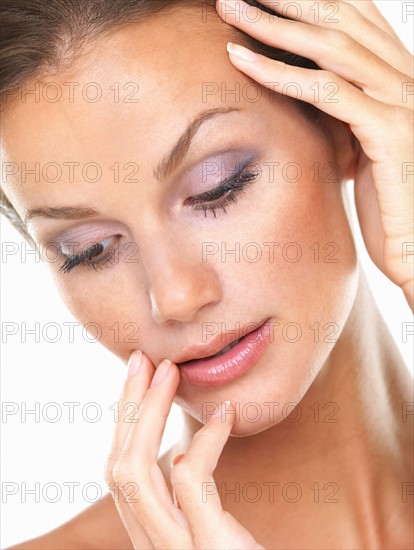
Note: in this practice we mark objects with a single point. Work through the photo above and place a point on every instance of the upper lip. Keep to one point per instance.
(216, 344)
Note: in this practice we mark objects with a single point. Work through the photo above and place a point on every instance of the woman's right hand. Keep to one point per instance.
(138, 485)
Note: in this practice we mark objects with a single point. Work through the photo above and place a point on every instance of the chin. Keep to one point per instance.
(264, 397)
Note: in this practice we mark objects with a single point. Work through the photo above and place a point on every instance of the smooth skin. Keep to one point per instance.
(367, 454)
(384, 198)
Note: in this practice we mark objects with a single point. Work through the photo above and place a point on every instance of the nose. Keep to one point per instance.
(179, 287)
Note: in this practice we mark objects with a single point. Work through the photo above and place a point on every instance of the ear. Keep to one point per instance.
(345, 147)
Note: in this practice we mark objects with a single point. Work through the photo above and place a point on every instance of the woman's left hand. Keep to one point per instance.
(364, 61)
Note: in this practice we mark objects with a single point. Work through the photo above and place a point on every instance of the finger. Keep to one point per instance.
(322, 46)
(163, 522)
(371, 12)
(192, 478)
(372, 123)
(147, 433)
(135, 530)
(129, 404)
(133, 392)
(345, 17)
(324, 89)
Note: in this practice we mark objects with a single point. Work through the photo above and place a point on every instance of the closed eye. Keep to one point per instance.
(98, 255)
(226, 192)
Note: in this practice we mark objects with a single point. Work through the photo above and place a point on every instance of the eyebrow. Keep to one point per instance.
(168, 164)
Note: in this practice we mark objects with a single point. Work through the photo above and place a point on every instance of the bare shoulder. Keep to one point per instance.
(98, 527)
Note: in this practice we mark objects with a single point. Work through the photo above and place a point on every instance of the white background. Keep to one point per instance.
(42, 451)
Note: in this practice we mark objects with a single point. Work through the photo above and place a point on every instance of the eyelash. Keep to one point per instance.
(227, 193)
(86, 256)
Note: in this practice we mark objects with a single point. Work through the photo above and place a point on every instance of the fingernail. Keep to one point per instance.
(241, 52)
(134, 363)
(161, 372)
(176, 503)
(176, 458)
(222, 411)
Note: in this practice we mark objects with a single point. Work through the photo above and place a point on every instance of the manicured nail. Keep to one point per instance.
(241, 52)
(161, 372)
(134, 363)
(222, 411)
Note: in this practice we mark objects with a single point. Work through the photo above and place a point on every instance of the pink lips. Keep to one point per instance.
(216, 371)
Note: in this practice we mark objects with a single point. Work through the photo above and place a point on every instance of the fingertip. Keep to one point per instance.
(139, 362)
(230, 410)
(134, 363)
(225, 410)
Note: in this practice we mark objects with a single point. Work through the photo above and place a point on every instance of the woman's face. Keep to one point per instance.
(184, 273)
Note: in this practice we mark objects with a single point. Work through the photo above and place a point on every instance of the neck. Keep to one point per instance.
(336, 454)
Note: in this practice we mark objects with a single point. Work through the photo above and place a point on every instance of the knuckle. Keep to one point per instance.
(182, 475)
(338, 40)
(325, 76)
(108, 476)
(401, 118)
(389, 117)
(348, 13)
(108, 468)
(123, 473)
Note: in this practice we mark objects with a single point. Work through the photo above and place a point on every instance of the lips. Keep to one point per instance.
(227, 348)
(228, 363)
(221, 352)
(215, 347)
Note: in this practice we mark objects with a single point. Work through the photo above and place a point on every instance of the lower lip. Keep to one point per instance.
(229, 366)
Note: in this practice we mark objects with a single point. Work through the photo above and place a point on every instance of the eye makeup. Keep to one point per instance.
(93, 256)
(226, 192)
(238, 170)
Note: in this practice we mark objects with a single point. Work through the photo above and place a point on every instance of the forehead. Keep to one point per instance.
(128, 96)
(167, 66)
(120, 89)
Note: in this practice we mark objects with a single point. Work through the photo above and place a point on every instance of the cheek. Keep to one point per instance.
(310, 281)
(289, 244)
(305, 280)
(97, 301)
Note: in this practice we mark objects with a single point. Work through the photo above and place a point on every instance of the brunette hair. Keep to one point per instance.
(41, 36)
